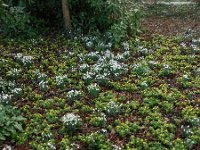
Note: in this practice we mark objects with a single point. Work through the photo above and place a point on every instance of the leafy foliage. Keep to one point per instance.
(10, 123)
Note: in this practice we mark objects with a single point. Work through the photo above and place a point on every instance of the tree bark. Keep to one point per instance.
(66, 15)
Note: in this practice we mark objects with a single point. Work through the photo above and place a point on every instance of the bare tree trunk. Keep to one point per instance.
(66, 15)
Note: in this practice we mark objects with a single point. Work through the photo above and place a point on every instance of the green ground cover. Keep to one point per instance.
(83, 94)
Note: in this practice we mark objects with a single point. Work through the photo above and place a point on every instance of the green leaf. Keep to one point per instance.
(20, 118)
(18, 126)
(2, 137)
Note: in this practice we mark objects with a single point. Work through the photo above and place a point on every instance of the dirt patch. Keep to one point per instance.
(171, 26)
(171, 20)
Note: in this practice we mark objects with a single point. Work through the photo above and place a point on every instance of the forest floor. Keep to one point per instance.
(172, 20)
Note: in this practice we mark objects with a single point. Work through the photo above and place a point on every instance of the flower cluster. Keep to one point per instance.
(43, 85)
(112, 108)
(186, 130)
(73, 95)
(106, 65)
(93, 90)
(14, 73)
(40, 76)
(17, 92)
(25, 60)
(84, 68)
(142, 50)
(126, 46)
(61, 80)
(71, 121)
(5, 98)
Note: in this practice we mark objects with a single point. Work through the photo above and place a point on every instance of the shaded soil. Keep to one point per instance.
(171, 20)
(171, 26)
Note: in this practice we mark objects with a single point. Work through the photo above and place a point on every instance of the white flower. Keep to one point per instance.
(43, 85)
(153, 62)
(5, 98)
(119, 57)
(71, 121)
(144, 84)
(61, 79)
(126, 54)
(89, 44)
(108, 54)
(183, 44)
(7, 147)
(93, 86)
(14, 72)
(112, 108)
(125, 46)
(16, 90)
(165, 66)
(73, 94)
(115, 147)
(19, 56)
(51, 146)
(26, 60)
(109, 45)
(185, 76)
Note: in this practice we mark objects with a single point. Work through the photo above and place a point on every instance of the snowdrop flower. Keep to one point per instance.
(7, 147)
(125, 46)
(166, 66)
(42, 76)
(16, 91)
(14, 72)
(93, 86)
(143, 50)
(97, 68)
(153, 62)
(183, 44)
(51, 146)
(109, 45)
(104, 131)
(19, 56)
(60, 80)
(88, 75)
(126, 54)
(144, 84)
(73, 94)
(195, 40)
(71, 121)
(185, 77)
(5, 98)
(84, 67)
(27, 59)
(115, 147)
(43, 85)
(112, 108)
(89, 44)
(108, 54)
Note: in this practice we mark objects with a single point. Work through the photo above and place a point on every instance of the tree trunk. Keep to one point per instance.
(66, 15)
